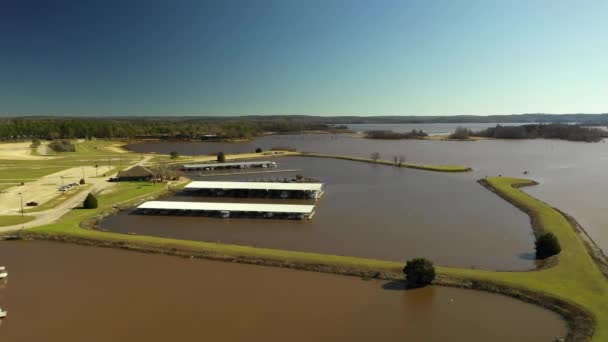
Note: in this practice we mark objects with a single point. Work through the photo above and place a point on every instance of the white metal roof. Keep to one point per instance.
(256, 207)
(256, 186)
(191, 166)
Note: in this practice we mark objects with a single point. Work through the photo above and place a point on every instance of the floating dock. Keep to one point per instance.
(257, 189)
(226, 210)
(232, 165)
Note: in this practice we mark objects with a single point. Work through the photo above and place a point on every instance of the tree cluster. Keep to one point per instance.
(461, 133)
(550, 131)
(161, 128)
(392, 135)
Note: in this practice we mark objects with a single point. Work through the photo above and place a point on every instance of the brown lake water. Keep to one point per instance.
(572, 175)
(68, 293)
(368, 210)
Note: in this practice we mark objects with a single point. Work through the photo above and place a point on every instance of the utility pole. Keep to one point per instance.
(21, 201)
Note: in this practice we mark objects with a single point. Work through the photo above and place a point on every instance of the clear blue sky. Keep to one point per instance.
(325, 57)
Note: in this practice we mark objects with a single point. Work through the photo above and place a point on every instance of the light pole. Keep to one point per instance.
(21, 201)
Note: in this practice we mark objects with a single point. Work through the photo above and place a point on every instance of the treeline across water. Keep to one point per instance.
(180, 128)
(549, 131)
(391, 135)
(532, 131)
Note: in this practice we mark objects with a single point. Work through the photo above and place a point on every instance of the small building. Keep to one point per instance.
(136, 173)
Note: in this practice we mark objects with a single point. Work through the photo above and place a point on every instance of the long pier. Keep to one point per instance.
(226, 210)
(231, 165)
(257, 189)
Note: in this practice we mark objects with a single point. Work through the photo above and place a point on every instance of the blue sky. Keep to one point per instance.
(329, 57)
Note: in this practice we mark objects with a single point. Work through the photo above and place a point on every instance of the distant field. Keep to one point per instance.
(88, 153)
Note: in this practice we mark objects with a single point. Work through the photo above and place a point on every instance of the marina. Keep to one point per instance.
(257, 189)
(226, 210)
(233, 165)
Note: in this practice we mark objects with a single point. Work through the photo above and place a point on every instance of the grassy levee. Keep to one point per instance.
(575, 277)
(574, 286)
(439, 168)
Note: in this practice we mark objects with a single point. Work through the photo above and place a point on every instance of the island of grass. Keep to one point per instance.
(439, 168)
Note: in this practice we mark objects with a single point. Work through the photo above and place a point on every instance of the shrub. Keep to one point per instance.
(81, 181)
(221, 157)
(258, 150)
(547, 245)
(419, 272)
(174, 154)
(90, 202)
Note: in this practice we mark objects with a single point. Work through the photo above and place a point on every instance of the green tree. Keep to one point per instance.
(419, 272)
(258, 150)
(221, 157)
(90, 202)
(547, 245)
(174, 154)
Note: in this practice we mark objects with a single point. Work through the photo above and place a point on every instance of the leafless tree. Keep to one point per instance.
(401, 159)
(375, 156)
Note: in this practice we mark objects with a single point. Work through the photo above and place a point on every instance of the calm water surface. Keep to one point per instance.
(372, 211)
(573, 175)
(436, 128)
(68, 293)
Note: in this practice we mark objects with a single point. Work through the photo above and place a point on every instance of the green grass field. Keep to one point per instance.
(10, 220)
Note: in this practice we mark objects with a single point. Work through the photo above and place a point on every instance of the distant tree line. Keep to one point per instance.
(549, 131)
(167, 128)
(385, 134)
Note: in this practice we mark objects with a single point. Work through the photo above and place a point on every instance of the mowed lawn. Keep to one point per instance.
(10, 220)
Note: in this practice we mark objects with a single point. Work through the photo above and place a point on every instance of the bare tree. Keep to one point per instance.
(375, 156)
(401, 159)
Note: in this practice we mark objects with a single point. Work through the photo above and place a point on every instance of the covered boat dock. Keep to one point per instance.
(226, 210)
(257, 189)
(232, 165)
